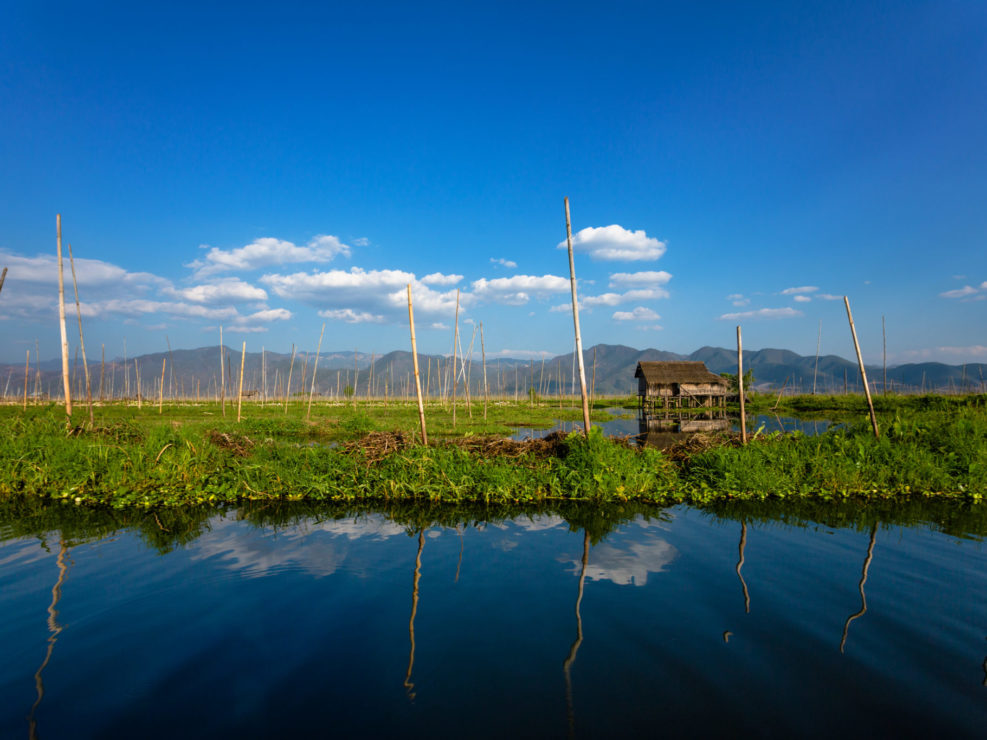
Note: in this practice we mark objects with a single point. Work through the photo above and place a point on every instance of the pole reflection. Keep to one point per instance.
(863, 596)
(740, 564)
(408, 683)
(571, 657)
(54, 628)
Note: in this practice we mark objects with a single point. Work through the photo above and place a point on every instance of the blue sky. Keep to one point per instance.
(256, 165)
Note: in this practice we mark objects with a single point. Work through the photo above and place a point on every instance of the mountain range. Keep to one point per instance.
(609, 368)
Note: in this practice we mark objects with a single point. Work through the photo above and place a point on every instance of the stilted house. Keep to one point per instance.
(678, 384)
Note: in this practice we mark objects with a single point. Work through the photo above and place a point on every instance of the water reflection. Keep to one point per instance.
(863, 580)
(341, 645)
(55, 629)
(574, 648)
(408, 683)
(740, 564)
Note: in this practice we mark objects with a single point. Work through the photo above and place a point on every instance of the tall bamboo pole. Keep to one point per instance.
(287, 388)
(740, 386)
(61, 324)
(414, 355)
(483, 355)
(455, 342)
(815, 371)
(222, 371)
(863, 372)
(82, 341)
(3, 278)
(575, 321)
(161, 388)
(239, 395)
(315, 374)
(137, 380)
(884, 342)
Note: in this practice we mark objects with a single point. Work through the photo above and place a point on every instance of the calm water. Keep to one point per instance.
(264, 623)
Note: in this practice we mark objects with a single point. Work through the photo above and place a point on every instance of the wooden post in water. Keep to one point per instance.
(483, 355)
(222, 372)
(61, 324)
(815, 371)
(414, 356)
(575, 321)
(740, 386)
(161, 386)
(239, 395)
(863, 372)
(137, 380)
(82, 341)
(315, 373)
(884, 342)
(455, 342)
(287, 388)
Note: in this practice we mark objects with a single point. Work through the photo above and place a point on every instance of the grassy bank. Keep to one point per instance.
(191, 455)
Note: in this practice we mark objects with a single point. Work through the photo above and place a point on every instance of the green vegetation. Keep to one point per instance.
(192, 455)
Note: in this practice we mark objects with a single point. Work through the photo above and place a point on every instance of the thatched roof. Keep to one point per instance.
(666, 373)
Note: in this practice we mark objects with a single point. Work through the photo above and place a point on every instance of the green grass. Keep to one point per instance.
(190, 454)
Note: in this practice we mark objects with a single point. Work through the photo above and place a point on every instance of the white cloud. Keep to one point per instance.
(646, 278)
(43, 270)
(439, 325)
(616, 243)
(638, 314)
(801, 299)
(972, 353)
(966, 290)
(630, 566)
(351, 316)
(738, 299)
(268, 251)
(220, 291)
(828, 297)
(437, 278)
(374, 291)
(509, 264)
(521, 354)
(798, 291)
(763, 313)
(269, 314)
(361, 241)
(517, 290)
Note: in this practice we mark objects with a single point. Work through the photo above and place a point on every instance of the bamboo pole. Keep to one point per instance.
(222, 371)
(815, 371)
(3, 278)
(455, 380)
(82, 341)
(171, 374)
(863, 372)
(315, 374)
(137, 380)
(164, 360)
(469, 367)
(740, 386)
(592, 391)
(884, 343)
(483, 355)
(356, 376)
(575, 321)
(287, 388)
(61, 324)
(370, 375)
(239, 395)
(414, 355)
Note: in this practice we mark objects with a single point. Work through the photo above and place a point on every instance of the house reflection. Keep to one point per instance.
(668, 427)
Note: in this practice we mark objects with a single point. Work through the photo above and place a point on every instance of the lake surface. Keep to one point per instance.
(814, 620)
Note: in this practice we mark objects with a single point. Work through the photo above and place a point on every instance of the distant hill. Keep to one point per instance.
(188, 372)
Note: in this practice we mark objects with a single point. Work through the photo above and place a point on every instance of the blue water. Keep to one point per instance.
(303, 625)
